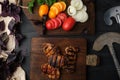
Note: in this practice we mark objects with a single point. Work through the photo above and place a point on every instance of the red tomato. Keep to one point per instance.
(53, 24)
(48, 25)
(68, 24)
(56, 22)
(60, 22)
(62, 16)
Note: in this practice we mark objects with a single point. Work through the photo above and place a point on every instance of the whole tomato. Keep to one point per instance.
(68, 24)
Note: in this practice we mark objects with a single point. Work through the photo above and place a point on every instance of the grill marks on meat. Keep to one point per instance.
(70, 58)
(52, 73)
(57, 61)
(51, 68)
(50, 49)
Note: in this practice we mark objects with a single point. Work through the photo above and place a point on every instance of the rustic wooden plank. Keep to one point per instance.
(38, 57)
(87, 27)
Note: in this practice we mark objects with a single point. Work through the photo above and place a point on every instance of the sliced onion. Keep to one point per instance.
(81, 16)
(84, 8)
(78, 4)
(84, 18)
(71, 10)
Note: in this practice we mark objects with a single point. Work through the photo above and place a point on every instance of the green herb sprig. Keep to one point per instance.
(31, 4)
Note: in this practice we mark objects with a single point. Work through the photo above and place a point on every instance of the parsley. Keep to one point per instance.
(48, 2)
(39, 2)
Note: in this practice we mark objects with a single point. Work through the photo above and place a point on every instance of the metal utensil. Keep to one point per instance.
(112, 12)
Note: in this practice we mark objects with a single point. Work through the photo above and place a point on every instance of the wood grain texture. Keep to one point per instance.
(87, 27)
(38, 58)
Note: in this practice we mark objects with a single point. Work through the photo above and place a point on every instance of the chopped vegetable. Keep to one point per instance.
(43, 10)
(62, 16)
(78, 4)
(52, 14)
(78, 11)
(81, 16)
(55, 23)
(56, 8)
(31, 5)
(71, 10)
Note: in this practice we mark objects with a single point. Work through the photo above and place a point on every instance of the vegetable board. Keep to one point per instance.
(87, 27)
(38, 58)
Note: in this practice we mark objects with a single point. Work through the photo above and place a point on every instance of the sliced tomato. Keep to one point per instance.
(60, 22)
(56, 22)
(48, 25)
(53, 24)
(62, 16)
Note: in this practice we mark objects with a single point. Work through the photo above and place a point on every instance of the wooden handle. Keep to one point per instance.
(92, 60)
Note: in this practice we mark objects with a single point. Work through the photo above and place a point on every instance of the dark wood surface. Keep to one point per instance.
(87, 27)
(38, 57)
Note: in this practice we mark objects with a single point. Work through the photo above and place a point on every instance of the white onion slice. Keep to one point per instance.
(84, 18)
(71, 10)
(78, 4)
(81, 16)
(84, 8)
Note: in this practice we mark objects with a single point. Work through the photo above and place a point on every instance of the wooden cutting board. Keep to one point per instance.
(87, 27)
(38, 58)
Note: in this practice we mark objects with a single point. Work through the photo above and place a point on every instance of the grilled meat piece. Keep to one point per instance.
(70, 58)
(50, 49)
(52, 73)
(56, 60)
